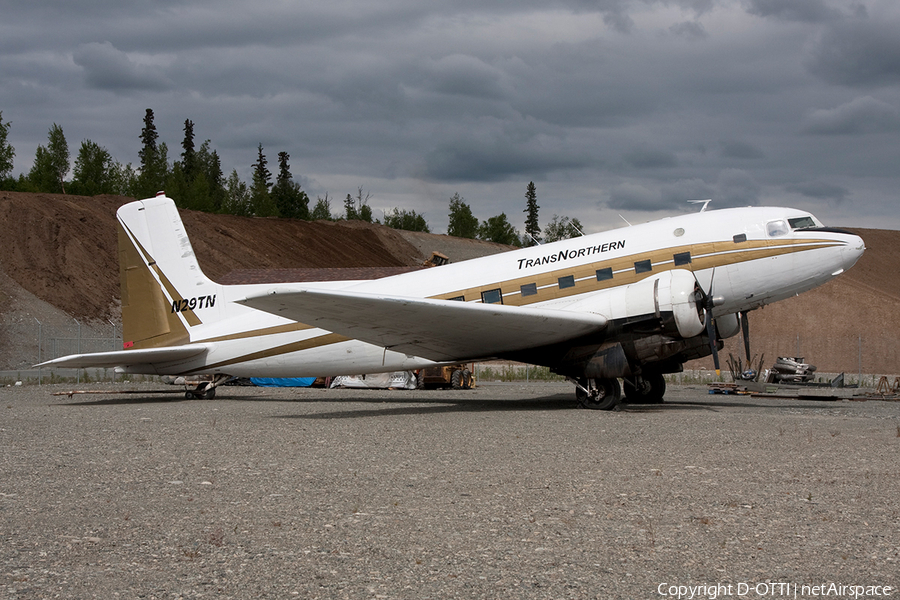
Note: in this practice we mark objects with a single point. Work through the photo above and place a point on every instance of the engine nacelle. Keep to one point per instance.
(670, 292)
(728, 325)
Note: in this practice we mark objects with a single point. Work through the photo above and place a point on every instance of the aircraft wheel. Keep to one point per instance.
(603, 394)
(650, 391)
(189, 395)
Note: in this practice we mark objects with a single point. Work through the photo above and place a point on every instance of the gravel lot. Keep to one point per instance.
(506, 491)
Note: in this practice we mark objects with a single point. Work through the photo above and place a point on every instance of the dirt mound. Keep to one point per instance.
(61, 250)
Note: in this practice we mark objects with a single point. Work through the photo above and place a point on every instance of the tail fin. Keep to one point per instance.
(164, 292)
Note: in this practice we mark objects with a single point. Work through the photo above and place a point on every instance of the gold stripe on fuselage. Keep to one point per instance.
(703, 256)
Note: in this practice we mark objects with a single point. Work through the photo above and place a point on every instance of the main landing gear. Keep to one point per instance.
(606, 394)
(645, 389)
(597, 394)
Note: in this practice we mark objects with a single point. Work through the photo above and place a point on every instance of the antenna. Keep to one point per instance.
(703, 202)
(533, 239)
(624, 219)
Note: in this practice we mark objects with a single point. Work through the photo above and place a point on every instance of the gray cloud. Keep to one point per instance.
(859, 116)
(107, 68)
(811, 11)
(643, 103)
(742, 150)
(819, 190)
(859, 52)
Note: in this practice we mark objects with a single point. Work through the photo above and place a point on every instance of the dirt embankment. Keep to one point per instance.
(61, 250)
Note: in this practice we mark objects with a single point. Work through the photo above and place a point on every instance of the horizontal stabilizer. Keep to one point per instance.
(439, 330)
(127, 358)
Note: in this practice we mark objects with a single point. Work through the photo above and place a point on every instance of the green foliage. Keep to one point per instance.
(154, 170)
(532, 229)
(358, 209)
(562, 228)
(407, 220)
(42, 176)
(462, 222)
(261, 201)
(322, 209)
(7, 154)
(498, 229)
(188, 155)
(289, 199)
(59, 155)
(237, 196)
(95, 171)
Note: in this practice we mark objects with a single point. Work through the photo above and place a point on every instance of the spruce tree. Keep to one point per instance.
(532, 229)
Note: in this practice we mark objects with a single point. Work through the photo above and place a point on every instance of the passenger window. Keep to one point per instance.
(492, 296)
(457, 298)
(529, 289)
(741, 237)
(776, 228)
(604, 274)
(682, 258)
(566, 282)
(643, 266)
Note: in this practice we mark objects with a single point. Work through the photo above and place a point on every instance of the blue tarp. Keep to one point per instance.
(282, 381)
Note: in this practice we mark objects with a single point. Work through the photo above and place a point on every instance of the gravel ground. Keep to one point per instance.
(506, 491)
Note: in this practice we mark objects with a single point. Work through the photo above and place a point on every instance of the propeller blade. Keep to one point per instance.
(711, 332)
(745, 333)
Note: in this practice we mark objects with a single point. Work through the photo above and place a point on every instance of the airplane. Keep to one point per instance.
(633, 303)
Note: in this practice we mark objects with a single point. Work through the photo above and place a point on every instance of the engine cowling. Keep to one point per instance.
(676, 291)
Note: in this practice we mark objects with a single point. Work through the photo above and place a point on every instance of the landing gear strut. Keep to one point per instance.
(597, 394)
(648, 388)
(207, 389)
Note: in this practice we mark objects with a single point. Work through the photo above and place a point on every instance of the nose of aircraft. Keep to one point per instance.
(852, 251)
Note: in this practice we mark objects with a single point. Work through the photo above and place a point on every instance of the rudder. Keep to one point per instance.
(162, 285)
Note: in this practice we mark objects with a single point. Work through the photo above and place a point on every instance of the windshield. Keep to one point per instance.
(801, 222)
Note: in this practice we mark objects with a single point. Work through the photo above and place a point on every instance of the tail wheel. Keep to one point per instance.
(598, 394)
(646, 389)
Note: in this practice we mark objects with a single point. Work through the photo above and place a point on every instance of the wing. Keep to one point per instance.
(127, 358)
(439, 330)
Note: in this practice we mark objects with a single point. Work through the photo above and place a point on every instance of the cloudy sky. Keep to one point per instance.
(612, 107)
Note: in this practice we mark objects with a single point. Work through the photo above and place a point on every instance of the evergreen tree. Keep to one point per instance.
(153, 168)
(188, 156)
(562, 228)
(498, 229)
(260, 199)
(350, 208)
(407, 220)
(462, 222)
(532, 229)
(291, 201)
(7, 154)
(322, 210)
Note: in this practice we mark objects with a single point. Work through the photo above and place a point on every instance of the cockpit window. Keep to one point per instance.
(801, 222)
(776, 228)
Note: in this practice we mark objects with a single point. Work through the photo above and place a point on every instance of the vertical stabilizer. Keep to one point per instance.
(164, 292)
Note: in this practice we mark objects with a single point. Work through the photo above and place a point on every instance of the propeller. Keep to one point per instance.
(708, 301)
(745, 333)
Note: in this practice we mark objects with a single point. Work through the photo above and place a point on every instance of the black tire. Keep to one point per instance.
(467, 379)
(652, 392)
(607, 393)
(420, 380)
(456, 380)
